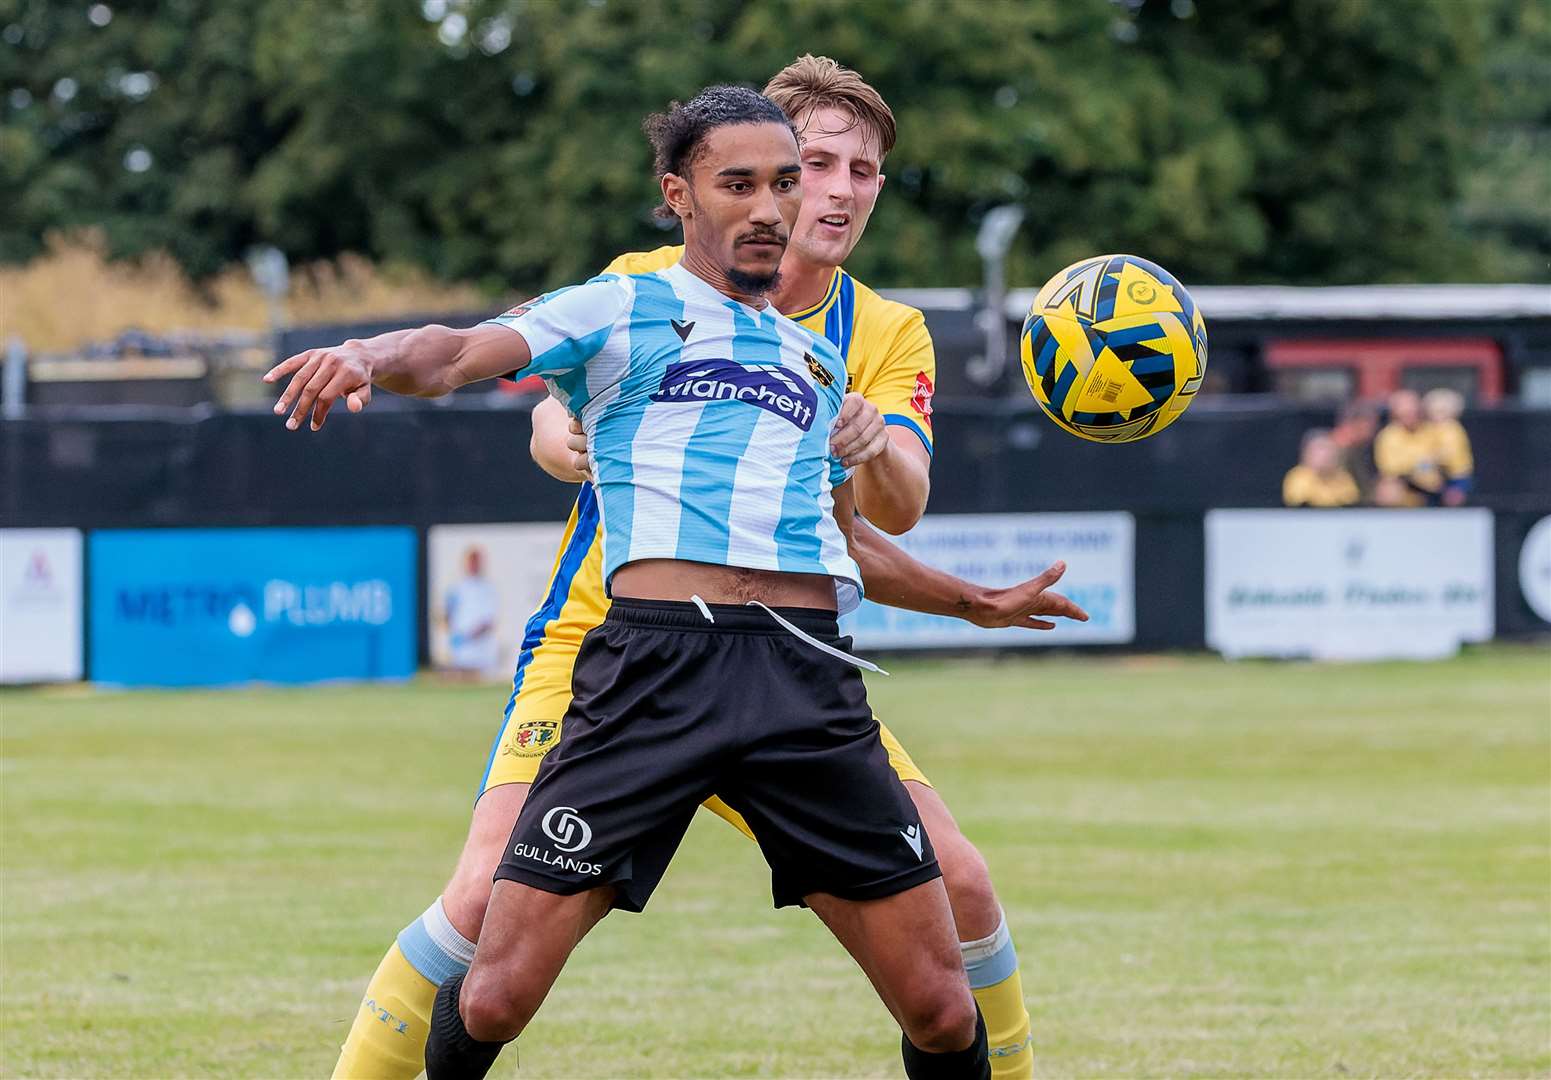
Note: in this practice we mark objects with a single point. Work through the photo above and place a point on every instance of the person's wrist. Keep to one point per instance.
(981, 604)
(370, 362)
(884, 459)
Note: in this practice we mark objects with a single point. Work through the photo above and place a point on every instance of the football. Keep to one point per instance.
(1114, 348)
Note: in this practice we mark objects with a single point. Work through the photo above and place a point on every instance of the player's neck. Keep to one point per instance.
(802, 285)
(709, 272)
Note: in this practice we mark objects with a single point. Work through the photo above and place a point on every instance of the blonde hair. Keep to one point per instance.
(1443, 404)
(817, 82)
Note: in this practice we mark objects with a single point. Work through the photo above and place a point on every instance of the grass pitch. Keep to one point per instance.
(1209, 869)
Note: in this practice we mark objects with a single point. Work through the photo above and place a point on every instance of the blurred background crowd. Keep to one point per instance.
(1420, 457)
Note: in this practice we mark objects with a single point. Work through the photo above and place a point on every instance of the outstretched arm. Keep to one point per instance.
(426, 362)
(893, 577)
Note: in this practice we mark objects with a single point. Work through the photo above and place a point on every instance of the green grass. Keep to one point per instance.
(1210, 869)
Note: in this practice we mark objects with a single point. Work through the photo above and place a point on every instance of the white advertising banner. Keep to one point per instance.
(1005, 549)
(1348, 584)
(40, 605)
(482, 584)
(1535, 568)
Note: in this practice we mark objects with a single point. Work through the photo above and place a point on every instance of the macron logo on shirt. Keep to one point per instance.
(769, 388)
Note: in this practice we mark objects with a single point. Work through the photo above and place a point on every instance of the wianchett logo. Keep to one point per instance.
(770, 388)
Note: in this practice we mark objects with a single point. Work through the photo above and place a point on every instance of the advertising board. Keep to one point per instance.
(482, 584)
(40, 605)
(1004, 549)
(1348, 584)
(200, 607)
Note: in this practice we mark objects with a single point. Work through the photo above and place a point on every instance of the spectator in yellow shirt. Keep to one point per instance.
(1451, 446)
(1405, 455)
(1319, 479)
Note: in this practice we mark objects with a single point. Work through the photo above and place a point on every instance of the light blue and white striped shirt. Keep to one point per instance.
(707, 422)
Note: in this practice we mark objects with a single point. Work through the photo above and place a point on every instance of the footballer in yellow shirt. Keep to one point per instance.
(846, 130)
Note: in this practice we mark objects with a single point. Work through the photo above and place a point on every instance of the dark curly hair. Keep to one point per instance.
(678, 135)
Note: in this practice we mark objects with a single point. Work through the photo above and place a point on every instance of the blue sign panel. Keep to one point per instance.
(201, 607)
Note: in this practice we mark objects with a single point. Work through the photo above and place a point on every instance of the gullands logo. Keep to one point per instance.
(566, 828)
(770, 388)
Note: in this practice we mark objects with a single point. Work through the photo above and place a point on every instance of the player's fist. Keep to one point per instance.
(859, 434)
(319, 378)
(576, 442)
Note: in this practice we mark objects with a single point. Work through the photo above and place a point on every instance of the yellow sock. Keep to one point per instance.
(1007, 1028)
(992, 966)
(387, 1040)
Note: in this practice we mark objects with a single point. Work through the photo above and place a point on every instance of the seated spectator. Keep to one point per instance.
(1451, 446)
(1353, 434)
(1319, 478)
(1408, 465)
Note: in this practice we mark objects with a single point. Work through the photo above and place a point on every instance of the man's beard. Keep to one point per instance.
(753, 284)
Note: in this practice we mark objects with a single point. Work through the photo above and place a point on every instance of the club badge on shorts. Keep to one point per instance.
(532, 739)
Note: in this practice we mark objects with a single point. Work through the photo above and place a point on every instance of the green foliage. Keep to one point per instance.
(1508, 190)
(498, 140)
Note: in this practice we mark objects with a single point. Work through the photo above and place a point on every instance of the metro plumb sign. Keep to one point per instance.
(1348, 584)
(181, 607)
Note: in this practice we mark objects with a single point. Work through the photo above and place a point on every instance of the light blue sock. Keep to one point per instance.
(433, 946)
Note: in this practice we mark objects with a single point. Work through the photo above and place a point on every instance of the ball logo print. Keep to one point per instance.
(565, 827)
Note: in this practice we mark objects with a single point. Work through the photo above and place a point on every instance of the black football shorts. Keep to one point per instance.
(669, 708)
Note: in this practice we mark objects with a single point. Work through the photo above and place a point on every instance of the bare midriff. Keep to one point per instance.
(676, 579)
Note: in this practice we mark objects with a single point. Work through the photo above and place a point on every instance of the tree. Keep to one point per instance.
(498, 140)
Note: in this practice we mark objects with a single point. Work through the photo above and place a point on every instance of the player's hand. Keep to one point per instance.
(859, 434)
(1020, 605)
(319, 378)
(576, 442)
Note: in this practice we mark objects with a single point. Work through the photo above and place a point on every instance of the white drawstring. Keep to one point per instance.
(838, 654)
(699, 603)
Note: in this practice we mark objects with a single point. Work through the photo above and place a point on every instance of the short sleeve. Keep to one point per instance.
(901, 381)
(568, 327)
(1454, 450)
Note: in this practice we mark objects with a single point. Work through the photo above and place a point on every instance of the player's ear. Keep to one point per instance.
(881, 179)
(675, 194)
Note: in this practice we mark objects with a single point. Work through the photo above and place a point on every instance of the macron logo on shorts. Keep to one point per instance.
(912, 837)
(566, 828)
(769, 388)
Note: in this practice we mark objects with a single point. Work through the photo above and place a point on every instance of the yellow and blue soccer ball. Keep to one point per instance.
(1114, 348)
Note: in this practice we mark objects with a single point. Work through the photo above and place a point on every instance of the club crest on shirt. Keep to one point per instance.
(820, 372)
(766, 387)
(532, 739)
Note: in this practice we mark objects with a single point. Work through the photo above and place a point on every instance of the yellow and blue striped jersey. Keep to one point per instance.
(889, 360)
